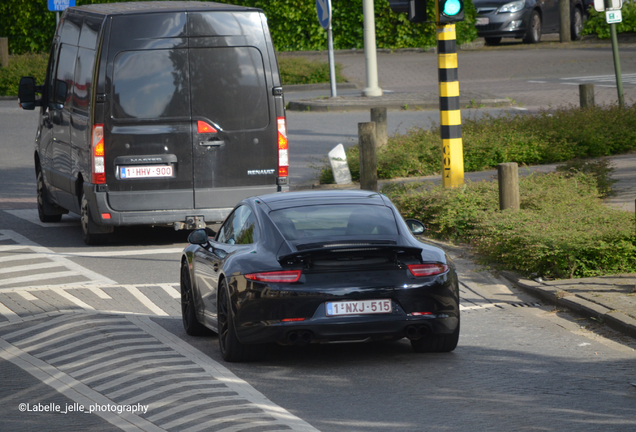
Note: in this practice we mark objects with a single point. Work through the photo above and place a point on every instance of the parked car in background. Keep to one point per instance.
(317, 267)
(157, 113)
(525, 19)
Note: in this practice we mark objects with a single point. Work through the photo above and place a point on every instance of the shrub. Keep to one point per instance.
(596, 24)
(561, 231)
(299, 70)
(22, 65)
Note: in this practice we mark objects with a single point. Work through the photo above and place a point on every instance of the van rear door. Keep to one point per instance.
(148, 134)
(234, 124)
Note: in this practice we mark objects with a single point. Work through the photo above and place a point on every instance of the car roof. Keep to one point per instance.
(158, 6)
(305, 198)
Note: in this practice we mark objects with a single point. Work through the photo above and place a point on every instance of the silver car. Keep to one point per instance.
(525, 19)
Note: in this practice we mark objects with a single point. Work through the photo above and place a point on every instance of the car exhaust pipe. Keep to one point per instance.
(306, 337)
(412, 332)
(424, 331)
(292, 337)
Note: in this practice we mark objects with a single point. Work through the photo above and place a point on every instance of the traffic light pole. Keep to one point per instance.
(450, 113)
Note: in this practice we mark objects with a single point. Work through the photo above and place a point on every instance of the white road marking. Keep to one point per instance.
(145, 300)
(31, 215)
(73, 299)
(43, 265)
(166, 251)
(38, 277)
(8, 313)
(27, 296)
(172, 292)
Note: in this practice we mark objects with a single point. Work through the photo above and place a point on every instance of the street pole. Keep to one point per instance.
(368, 12)
(617, 66)
(449, 110)
(332, 63)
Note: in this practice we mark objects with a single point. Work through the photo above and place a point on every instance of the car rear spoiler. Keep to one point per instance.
(345, 246)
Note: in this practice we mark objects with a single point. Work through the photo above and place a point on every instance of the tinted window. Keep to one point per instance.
(66, 70)
(83, 80)
(90, 30)
(228, 87)
(334, 220)
(151, 84)
(225, 24)
(239, 228)
(70, 31)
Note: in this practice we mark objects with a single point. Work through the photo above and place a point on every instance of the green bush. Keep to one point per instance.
(550, 136)
(22, 65)
(299, 70)
(597, 25)
(293, 23)
(561, 231)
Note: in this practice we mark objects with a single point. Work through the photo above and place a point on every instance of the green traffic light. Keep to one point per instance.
(452, 7)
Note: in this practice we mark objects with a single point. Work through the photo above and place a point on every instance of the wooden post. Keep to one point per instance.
(564, 22)
(378, 115)
(368, 160)
(4, 52)
(508, 177)
(586, 95)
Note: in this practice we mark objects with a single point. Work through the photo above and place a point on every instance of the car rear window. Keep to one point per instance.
(334, 220)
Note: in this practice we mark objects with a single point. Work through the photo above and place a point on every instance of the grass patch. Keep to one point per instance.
(293, 70)
(299, 70)
(22, 65)
(562, 230)
(551, 136)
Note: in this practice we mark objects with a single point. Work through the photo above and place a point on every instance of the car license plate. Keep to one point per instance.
(145, 171)
(361, 307)
(482, 21)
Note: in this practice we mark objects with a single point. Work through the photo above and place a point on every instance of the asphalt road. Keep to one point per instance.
(100, 325)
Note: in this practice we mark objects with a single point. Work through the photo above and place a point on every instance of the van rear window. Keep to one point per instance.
(228, 87)
(151, 84)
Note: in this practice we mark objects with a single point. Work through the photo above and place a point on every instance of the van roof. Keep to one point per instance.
(158, 6)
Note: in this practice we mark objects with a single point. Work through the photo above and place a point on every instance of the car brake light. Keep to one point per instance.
(283, 156)
(292, 319)
(419, 270)
(99, 166)
(287, 276)
(203, 127)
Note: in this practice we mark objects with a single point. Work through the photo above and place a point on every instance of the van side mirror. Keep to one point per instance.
(199, 237)
(61, 91)
(26, 93)
(416, 227)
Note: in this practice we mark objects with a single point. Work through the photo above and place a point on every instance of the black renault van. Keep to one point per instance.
(157, 113)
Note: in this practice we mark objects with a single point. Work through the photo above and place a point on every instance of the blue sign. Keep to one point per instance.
(323, 8)
(60, 5)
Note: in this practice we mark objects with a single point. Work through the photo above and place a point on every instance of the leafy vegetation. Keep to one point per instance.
(22, 65)
(561, 231)
(30, 26)
(549, 137)
(299, 70)
(596, 24)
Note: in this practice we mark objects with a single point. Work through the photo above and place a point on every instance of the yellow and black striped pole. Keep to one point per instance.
(449, 111)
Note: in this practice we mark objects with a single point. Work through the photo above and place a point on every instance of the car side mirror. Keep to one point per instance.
(26, 93)
(416, 227)
(199, 237)
(61, 92)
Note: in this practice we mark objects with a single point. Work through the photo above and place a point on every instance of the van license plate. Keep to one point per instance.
(361, 307)
(145, 171)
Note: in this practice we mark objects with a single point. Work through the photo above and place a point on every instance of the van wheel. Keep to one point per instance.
(44, 206)
(89, 228)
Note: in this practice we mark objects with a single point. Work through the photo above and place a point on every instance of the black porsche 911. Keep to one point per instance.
(317, 267)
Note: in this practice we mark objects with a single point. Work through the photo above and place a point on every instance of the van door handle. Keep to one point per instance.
(215, 143)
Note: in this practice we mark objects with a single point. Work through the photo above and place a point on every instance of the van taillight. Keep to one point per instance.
(99, 166)
(283, 156)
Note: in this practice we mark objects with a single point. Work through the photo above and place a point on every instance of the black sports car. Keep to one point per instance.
(305, 267)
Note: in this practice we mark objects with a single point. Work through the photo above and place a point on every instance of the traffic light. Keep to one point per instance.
(415, 8)
(450, 11)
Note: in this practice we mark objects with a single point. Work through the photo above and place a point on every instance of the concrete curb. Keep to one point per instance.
(560, 298)
(358, 103)
(311, 87)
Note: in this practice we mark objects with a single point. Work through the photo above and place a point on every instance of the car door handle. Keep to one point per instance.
(214, 143)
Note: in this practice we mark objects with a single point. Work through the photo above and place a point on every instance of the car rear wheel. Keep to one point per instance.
(191, 324)
(232, 350)
(534, 29)
(436, 342)
(44, 206)
(90, 231)
(577, 24)
(493, 41)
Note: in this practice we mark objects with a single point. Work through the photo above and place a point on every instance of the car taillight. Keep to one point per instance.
(419, 270)
(283, 156)
(287, 276)
(97, 149)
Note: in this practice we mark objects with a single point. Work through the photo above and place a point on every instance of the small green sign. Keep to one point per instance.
(613, 16)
